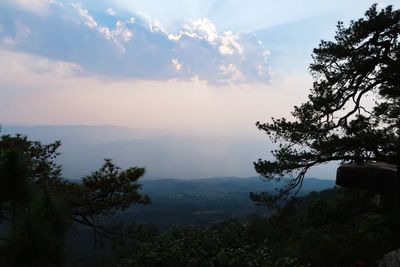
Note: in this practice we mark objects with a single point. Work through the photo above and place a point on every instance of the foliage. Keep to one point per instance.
(37, 206)
(104, 193)
(226, 244)
(335, 227)
(36, 217)
(353, 111)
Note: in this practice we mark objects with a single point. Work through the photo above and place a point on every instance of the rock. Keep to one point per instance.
(378, 177)
(392, 259)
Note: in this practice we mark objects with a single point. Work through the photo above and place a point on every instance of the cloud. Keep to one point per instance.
(111, 12)
(176, 64)
(126, 46)
(21, 33)
(37, 7)
(119, 34)
(84, 13)
(19, 64)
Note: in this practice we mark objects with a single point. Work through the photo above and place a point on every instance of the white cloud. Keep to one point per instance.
(202, 28)
(138, 47)
(121, 32)
(118, 35)
(84, 13)
(232, 71)
(236, 57)
(111, 12)
(152, 25)
(229, 44)
(28, 65)
(198, 29)
(177, 64)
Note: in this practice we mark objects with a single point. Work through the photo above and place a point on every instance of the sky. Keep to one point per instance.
(195, 67)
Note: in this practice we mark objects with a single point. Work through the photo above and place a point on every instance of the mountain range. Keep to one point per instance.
(163, 154)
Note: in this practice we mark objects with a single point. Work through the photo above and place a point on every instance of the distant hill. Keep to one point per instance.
(79, 134)
(204, 201)
(181, 202)
(163, 154)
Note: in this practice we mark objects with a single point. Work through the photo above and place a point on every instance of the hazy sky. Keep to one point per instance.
(198, 66)
(192, 67)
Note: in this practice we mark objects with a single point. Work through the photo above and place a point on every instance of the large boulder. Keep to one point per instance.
(392, 259)
(378, 177)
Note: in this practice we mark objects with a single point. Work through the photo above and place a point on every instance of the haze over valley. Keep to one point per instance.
(164, 154)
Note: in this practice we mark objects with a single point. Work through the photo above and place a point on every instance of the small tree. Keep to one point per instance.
(104, 193)
(353, 111)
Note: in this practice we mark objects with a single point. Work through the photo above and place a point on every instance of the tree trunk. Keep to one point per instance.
(398, 178)
(397, 198)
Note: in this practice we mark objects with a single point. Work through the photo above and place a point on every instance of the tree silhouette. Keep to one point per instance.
(353, 111)
(37, 218)
(38, 206)
(104, 193)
